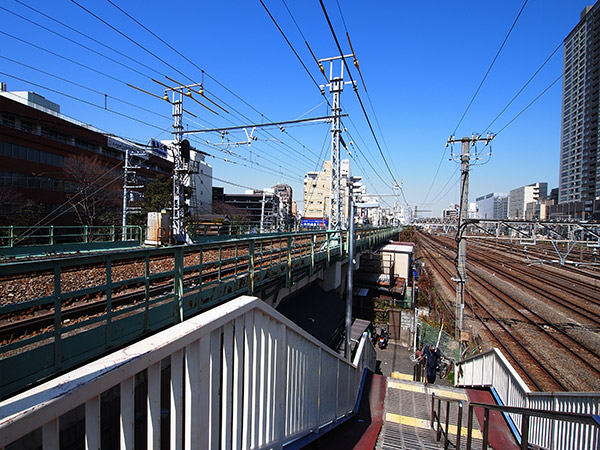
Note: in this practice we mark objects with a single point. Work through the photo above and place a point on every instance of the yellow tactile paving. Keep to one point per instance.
(405, 420)
(449, 394)
(407, 386)
(402, 376)
(420, 423)
(424, 389)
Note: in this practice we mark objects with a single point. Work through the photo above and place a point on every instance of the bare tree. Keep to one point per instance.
(96, 190)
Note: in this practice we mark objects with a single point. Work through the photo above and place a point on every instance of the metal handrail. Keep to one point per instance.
(592, 420)
(19, 236)
(436, 417)
(249, 271)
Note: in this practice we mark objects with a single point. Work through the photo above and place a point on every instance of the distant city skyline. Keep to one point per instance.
(421, 64)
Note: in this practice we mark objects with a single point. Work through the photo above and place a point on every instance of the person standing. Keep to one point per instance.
(433, 355)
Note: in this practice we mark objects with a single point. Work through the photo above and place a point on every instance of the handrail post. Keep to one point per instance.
(432, 409)
(470, 427)
(112, 233)
(439, 428)
(312, 254)
(447, 423)
(288, 278)
(178, 284)
(251, 267)
(459, 423)
(51, 235)
(524, 432)
(108, 293)
(11, 236)
(57, 317)
(328, 235)
(486, 427)
(85, 234)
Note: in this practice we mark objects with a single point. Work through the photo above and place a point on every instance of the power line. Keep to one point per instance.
(288, 42)
(490, 68)
(83, 101)
(89, 37)
(85, 87)
(209, 76)
(73, 41)
(365, 86)
(531, 103)
(524, 86)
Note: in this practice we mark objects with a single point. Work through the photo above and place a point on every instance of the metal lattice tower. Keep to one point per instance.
(178, 169)
(336, 86)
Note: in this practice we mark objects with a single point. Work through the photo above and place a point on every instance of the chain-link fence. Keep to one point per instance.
(428, 334)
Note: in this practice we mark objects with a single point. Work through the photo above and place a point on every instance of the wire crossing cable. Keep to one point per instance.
(213, 79)
(490, 68)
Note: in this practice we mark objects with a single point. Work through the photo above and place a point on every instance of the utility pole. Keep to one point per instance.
(461, 260)
(350, 281)
(336, 86)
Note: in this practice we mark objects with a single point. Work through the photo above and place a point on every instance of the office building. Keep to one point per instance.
(49, 161)
(317, 189)
(492, 206)
(520, 197)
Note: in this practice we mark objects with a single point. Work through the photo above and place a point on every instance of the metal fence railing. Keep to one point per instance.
(170, 284)
(22, 236)
(238, 376)
(492, 370)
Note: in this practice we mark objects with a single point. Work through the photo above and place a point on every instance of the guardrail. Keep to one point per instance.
(172, 284)
(436, 420)
(586, 427)
(21, 236)
(239, 376)
(492, 370)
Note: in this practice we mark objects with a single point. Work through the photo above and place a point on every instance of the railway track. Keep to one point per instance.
(81, 306)
(539, 368)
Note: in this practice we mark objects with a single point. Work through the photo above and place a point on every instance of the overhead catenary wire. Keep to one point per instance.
(365, 87)
(84, 101)
(82, 86)
(204, 73)
(490, 68)
(356, 90)
(161, 129)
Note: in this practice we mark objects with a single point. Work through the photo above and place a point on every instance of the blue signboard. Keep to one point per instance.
(158, 148)
(314, 223)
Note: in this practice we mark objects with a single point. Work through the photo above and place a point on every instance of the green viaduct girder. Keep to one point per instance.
(258, 265)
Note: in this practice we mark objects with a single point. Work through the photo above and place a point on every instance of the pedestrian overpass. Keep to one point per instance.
(203, 367)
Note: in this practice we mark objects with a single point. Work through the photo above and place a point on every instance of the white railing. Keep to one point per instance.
(241, 376)
(491, 369)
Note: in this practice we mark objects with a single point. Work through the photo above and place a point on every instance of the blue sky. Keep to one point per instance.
(421, 63)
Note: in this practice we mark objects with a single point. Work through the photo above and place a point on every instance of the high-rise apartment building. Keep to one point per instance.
(579, 169)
